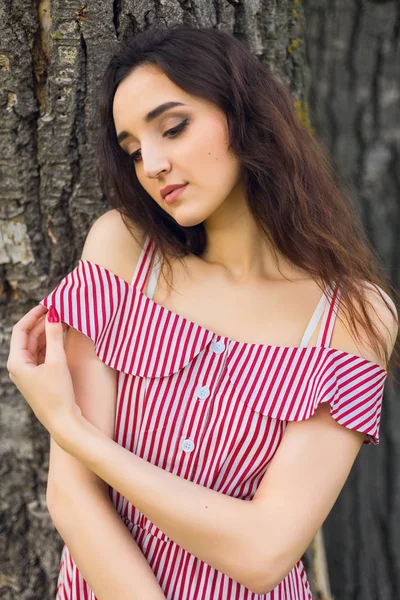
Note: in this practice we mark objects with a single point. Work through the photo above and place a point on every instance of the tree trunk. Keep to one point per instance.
(353, 49)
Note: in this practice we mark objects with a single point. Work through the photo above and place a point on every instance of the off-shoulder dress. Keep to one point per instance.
(205, 407)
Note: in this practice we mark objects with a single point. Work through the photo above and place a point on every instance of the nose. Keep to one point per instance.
(154, 163)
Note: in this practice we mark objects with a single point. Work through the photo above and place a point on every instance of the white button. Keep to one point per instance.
(187, 445)
(218, 347)
(203, 392)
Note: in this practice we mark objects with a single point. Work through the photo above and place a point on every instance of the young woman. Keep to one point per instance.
(229, 337)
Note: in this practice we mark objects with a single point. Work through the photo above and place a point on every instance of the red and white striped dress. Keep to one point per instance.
(205, 407)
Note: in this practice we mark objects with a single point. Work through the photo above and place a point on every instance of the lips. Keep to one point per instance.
(170, 188)
(172, 196)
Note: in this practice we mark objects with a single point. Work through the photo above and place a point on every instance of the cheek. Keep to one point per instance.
(211, 163)
(217, 167)
(210, 151)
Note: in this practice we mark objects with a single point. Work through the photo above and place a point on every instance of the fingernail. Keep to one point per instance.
(52, 315)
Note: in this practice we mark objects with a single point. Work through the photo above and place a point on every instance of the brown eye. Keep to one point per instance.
(134, 155)
(177, 129)
(173, 132)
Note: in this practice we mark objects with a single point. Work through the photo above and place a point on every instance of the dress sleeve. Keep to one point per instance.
(86, 299)
(354, 387)
(130, 332)
(290, 383)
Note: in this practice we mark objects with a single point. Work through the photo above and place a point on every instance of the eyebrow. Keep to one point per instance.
(153, 114)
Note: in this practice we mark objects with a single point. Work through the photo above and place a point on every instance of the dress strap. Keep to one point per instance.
(329, 317)
(143, 265)
(324, 309)
(154, 273)
(312, 325)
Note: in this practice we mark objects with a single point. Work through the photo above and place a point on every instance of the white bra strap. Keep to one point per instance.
(318, 312)
(329, 318)
(143, 264)
(154, 273)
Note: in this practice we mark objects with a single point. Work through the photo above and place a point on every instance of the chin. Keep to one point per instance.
(188, 222)
(187, 218)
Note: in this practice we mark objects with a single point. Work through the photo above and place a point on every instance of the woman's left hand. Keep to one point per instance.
(45, 384)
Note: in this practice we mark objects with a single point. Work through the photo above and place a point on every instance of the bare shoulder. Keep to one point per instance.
(113, 244)
(384, 318)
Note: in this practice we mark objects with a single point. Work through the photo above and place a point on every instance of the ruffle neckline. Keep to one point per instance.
(208, 334)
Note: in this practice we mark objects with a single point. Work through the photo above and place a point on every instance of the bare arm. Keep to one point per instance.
(78, 500)
(102, 547)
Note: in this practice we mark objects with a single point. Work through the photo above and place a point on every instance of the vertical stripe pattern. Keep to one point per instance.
(207, 408)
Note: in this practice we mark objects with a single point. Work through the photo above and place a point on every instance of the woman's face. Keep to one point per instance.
(194, 152)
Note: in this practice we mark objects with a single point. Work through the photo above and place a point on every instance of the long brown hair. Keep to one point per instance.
(292, 186)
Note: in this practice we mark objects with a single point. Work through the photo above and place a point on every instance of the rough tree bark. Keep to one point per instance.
(353, 49)
(52, 56)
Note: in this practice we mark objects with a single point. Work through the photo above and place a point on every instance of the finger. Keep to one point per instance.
(29, 319)
(37, 336)
(41, 356)
(41, 338)
(37, 340)
(54, 338)
(19, 353)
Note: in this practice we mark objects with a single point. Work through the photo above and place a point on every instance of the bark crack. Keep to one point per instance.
(41, 57)
(116, 16)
